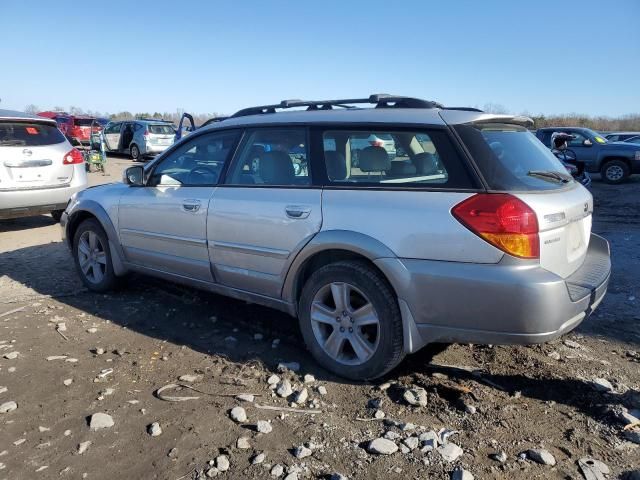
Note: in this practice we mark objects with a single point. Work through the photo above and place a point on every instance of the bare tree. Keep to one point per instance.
(32, 109)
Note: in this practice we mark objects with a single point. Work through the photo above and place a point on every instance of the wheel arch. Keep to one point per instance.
(609, 158)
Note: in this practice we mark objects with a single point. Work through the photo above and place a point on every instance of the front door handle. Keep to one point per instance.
(297, 211)
(191, 205)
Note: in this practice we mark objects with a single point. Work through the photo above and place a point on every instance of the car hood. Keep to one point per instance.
(621, 146)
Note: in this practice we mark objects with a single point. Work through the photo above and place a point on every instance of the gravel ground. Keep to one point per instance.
(84, 369)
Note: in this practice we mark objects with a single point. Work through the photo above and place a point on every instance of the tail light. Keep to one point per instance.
(502, 220)
(146, 135)
(73, 157)
(376, 143)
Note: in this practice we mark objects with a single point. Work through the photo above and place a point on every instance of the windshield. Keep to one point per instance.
(161, 130)
(511, 158)
(23, 134)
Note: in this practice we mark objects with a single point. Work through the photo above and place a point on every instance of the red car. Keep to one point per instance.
(77, 128)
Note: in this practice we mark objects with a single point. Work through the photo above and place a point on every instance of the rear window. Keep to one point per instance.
(511, 158)
(21, 134)
(83, 122)
(161, 129)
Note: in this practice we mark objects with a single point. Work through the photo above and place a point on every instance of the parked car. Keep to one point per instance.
(139, 138)
(39, 169)
(373, 260)
(635, 140)
(620, 136)
(615, 161)
(77, 128)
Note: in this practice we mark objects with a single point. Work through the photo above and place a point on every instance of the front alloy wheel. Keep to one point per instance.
(92, 256)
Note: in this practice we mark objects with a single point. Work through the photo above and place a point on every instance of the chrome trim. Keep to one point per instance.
(28, 163)
(250, 249)
(44, 187)
(164, 236)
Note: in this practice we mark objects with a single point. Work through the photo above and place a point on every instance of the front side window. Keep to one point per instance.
(112, 128)
(393, 158)
(197, 162)
(272, 157)
(577, 140)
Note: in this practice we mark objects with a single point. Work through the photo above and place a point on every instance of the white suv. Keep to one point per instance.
(39, 169)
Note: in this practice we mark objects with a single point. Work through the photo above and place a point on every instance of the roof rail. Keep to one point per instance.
(380, 100)
(161, 120)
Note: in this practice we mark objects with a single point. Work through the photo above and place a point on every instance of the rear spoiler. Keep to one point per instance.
(457, 117)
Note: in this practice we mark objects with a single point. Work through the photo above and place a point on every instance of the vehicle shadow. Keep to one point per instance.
(212, 324)
(25, 223)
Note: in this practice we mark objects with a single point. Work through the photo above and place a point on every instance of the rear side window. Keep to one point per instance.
(21, 134)
(393, 158)
(161, 130)
(511, 158)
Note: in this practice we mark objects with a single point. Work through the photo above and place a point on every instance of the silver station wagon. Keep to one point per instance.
(471, 232)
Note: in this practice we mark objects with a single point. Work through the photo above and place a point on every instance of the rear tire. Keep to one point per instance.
(92, 257)
(615, 172)
(343, 336)
(57, 215)
(135, 152)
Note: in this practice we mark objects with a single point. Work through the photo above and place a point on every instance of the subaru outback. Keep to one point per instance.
(472, 232)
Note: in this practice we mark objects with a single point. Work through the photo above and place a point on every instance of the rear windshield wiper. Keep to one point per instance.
(548, 175)
(12, 142)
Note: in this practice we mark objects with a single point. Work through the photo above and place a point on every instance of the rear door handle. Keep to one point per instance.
(191, 205)
(297, 211)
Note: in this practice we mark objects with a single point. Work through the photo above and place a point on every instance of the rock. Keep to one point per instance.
(499, 457)
(42, 429)
(258, 459)
(245, 397)
(461, 474)
(450, 452)
(11, 355)
(154, 429)
(301, 396)
(379, 414)
(92, 330)
(61, 327)
(173, 453)
(222, 463)
(470, 409)
(277, 470)
(404, 449)
(444, 434)
(593, 469)
(602, 385)
(284, 389)
(391, 435)
(302, 452)
(415, 396)
(7, 407)
(3, 389)
(374, 403)
(190, 378)
(243, 443)
(429, 439)
(273, 379)
(407, 427)
(83, 447)
(56, 357)
(382, 446)
(238, 414)
(572, 344)
(212, 472)
(275, 343)
(633, 436)
(67, 433)
(68, 382)
(555, 355)
(258, 336)
(293, 366)
(291, 476)
(98, 351)
(541, 456)
(231, 339)
(264, 427)
(308, 378)
(322, 390)
(411, 442)
(100, 420)
(384, 386)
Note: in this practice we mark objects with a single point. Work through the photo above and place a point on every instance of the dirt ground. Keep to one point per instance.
(81, 353)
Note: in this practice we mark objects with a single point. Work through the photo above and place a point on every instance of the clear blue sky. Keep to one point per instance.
(219, 56)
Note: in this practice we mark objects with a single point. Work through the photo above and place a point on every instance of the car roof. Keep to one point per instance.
(16, 115)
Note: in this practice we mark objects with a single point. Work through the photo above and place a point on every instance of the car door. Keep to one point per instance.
(265, 212)
(163, 224)
(584, 153)
(112, 136)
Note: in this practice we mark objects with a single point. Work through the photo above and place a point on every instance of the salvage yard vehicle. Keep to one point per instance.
(77, 128)
(615, 161)
(139, 138)
(372, 259)
(39, 169)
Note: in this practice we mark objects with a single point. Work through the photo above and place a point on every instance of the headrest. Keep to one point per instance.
(426, 163)
(336, 165)
(276, 168)
(374, 159)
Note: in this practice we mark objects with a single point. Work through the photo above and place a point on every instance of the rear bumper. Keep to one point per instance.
(154, 149)
(506, 303)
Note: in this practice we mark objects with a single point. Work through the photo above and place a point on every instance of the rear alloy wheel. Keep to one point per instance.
(615, 172)
(92, 256)
(135, 153)
(350, 321)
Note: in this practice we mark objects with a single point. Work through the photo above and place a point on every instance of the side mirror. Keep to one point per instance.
(587, 143)
(133, 176)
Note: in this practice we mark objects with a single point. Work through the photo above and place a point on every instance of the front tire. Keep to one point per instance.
(135, 152)
(615, 172)
(350, 321)
(92, 257)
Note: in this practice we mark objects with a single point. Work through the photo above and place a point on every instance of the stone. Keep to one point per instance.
(258, 459)
(173, 453)
(7, 407)
(238, 414)
(42, 429)
(555, 355)
(374, 403)
(291, 476)
(470, 409)
(277, 470)
(83, 447)
(322, 390)
(461, 474)
(245, 397)
(273, 379)
(572, 344)
(3, 389)
(293, 366)
(190, 378)
(243, 443)
(429, 439)
(602, 385)
(68, 381)
(382, 446)
(391, 435)
(263, 426)
(11, 355)
(301, 396)
(258, 336)
(404, 449)
(212, 472)
(222, 463)
(499, 457)
(407, 427)
(415, 396)
(92, 330)
(379, 414)
(541, 456)
(154, 429)
(308, 378)
(411, 442)
(450, 452)
(100, 420)
(56, 357)
(302, 452)
(284, 389)
(98, 351)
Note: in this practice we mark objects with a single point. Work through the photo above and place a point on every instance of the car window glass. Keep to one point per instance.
(197, 162)
(392, 158)
(272, 157)
(112, 128)
(578, 138)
